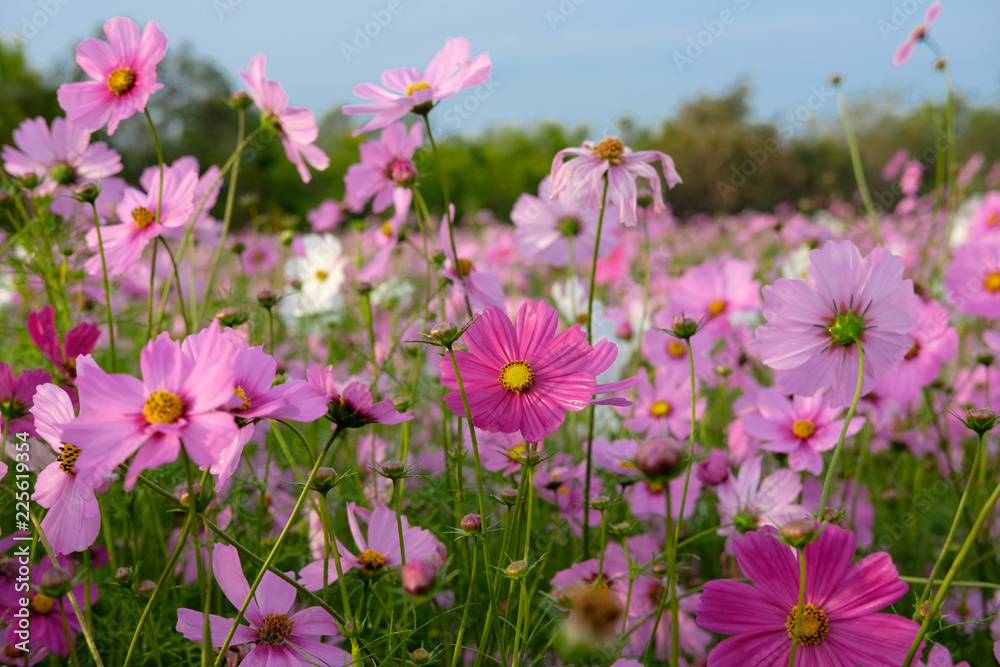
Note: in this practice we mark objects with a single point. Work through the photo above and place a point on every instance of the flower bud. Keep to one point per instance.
(420, 655)
(683, 327)
(798, 532)
(87, 193)
(325, 480)
(658, 459)
(418, 576)
(392, 469)
(714, 469)
(833, 515)
(403, 172)
(980, 420)
(517, 569)
(444, 332)
(362, 287)
(146, 587)
(940, 64)
(123, 573)
(600, 503)
(267, 298)
(835, 79)
(472, 523)
(508, 497)
(230, 317)
(55, 582)
(240, 100)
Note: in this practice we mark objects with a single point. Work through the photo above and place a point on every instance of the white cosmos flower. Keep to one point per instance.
(319, 272)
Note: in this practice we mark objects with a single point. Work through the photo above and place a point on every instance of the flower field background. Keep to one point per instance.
(278, 391)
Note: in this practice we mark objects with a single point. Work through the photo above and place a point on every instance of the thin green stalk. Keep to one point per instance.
(799, 608)
(954, 526)
(843, 432)
(671, 573)
(159, 206)
(590, 338)
(465, 612)
(227, 216)
(859, 172)
(482, 505)
(447, 212)
(984, 513)
(107, 289)
(69, 637)
(277, 545)
(180, 292)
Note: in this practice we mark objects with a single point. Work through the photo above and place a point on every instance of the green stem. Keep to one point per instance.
(843, 432)
(590, 337)
(859, 172)
(277, 545)
(107, 288)
(465, 612)
(159, 205)
(799, 608)
(226, 217)
(177, 279)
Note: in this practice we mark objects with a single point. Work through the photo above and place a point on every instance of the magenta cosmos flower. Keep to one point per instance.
(16, 398)
(584, 175)
(412, 89)
(295, 125)
(839, 624)
(934, 343)
(973, 278)
(123, 70)
(815, 325)
(546, 226)
(386, 165)
(352, 406)
(524, 376)
(180, 398)
(905, 50)
(278, 636)
(63, 156)
(803, 427)
(81, 339)
(124, 243)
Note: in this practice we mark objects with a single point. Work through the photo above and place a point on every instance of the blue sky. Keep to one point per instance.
(575, 61)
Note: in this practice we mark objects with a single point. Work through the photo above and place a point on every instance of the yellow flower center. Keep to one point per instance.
(626, 465)
(68, 454)
(414, 87)
(464, 266)
(610, 149)
(143, 217)
(372, 560)
(242, 394)
(803, 428)
(121, 80)
(659, 409)
(676, 349)
(813, 625)
(992, 282)
(912, 351)
(276, 628)
(993, 218)
(716, 307)
(42, 604)
(387, 229)
(163, 407)
(12, 652)
(517, 376)
(322, 275)
(514, 452)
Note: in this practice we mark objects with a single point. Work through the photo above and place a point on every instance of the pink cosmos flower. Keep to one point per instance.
(295, 125)
(616, 456)
(839, 623)
(715, 291)
(81, 339)
(986, 218)
(905, 50)
(482, 287)
(584, 175)
(74, 518)
(746, 503)
(16, 398)
(123, 70)
(939, 657)
(412, 89)
(973, 277)
(895, 163)
(326, 216)
(524, 376)
(63, 157)
(664, 407)
(178, 399)
(124, 243)
(647, 499)
(934, 343)
(547, 225)
(279, 638)
(353, 405)
(802, 427)
(380, 550)
(386, 165)
(814, 325)
(665, 351)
